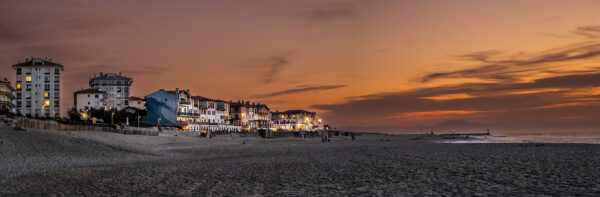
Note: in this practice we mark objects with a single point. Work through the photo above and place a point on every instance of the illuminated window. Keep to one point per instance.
(47, 103)
(46, 94)
(28, 78)
(18, 86)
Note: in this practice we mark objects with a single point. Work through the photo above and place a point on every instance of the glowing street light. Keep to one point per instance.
(112, 115)
(138, 120)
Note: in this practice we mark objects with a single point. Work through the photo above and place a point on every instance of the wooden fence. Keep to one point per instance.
(55, 126)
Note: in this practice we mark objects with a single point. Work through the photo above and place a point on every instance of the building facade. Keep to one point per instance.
(6, 96)
(88, 99)
(116, 88)
(137, 102)
(38, 87)
(295, 120)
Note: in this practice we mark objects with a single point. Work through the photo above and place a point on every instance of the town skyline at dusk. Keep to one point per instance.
(368, 65)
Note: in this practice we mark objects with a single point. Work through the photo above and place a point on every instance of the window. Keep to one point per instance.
(28, 87)
(56, 103)
(88, 95)
(18, 103)
(56, 87)
(28, 103)
(126, 102)
(126, 89)
(56, 95)
(96, 96)
(46, 87)
(46, 95)
(18, 86)
(56, 71)
(28, 78)
(47, 103)
(88, 103)
(47, 79)
(118, 89)
(56, 79)
(18, 95)
(18, 71)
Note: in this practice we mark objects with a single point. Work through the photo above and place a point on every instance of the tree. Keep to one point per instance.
(74, 114)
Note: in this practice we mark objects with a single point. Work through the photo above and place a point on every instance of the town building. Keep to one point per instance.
(161, 107)
(239, 114)
(261, 117)
(6, 96)
(116, 89)
(88, 99)
(38, 87)
(137, 102)
(189, 113)
(295, 120)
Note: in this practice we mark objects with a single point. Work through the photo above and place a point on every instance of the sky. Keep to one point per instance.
(362, 65)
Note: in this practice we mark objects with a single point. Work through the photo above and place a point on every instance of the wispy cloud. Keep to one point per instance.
(299, 89)
(588, 31)
(332, 12)
(535, 101)
(273, 67)
(500, 68)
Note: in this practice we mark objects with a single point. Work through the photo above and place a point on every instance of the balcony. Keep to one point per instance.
(188, 114)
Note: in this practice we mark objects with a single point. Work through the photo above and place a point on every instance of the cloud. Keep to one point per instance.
(588, 31)
(518, 104)
(299, 89)
(273, 67)
(507, 69)
(332, 12)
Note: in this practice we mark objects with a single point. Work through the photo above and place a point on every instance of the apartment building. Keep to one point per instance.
(38, 87)
(116, 88)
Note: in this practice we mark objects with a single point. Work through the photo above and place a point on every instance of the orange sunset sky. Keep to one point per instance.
(374, 65)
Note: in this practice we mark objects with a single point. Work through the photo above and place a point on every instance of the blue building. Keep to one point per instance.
(162, 105)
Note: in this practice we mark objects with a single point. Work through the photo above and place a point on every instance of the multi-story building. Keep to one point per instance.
(295, 120)
(38, 87)
(261, 117)
(6, 96)
(116, 89)
(88, 99)
(223, 112)
(239, 114)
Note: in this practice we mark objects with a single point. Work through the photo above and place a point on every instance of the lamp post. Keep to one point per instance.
(158, 122)
(112, 115)
(139, 120)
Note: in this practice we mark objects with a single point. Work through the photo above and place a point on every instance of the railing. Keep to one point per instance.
(187, 114)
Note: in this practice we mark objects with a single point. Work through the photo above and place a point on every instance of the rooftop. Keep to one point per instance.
(135, 98)
(88, 91)
(110, 76)
(34, 61)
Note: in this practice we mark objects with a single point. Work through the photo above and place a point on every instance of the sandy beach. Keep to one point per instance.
(97, 163)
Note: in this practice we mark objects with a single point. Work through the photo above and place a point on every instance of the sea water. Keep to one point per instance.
(530, 138)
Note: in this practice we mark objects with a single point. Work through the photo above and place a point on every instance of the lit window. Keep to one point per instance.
(18, 86)
(28, 78)
(46, 94)
(47, 103)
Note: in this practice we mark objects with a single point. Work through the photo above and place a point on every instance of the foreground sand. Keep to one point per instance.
(76, 163)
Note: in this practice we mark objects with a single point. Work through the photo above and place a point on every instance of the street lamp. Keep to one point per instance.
(112, 115)
(158, 122)
(139, 120)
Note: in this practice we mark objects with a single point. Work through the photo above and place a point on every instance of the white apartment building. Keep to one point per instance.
(38, 87)
(88, 99)
(116, 89)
